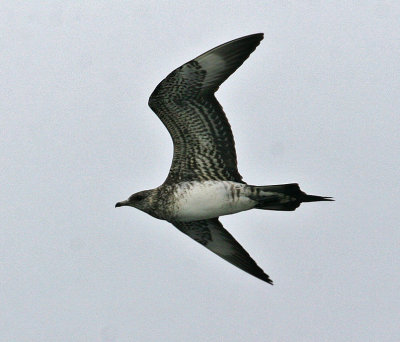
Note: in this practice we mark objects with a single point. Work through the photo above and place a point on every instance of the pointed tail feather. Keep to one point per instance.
(314, 198)
(284, 197)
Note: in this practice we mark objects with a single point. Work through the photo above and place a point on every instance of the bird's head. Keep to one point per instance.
(140, 200)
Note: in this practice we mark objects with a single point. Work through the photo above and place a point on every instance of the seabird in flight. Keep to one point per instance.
(203, 182)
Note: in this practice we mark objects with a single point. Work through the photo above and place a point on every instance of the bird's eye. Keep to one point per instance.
(137, 197)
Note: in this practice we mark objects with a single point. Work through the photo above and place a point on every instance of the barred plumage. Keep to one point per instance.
(203, 182)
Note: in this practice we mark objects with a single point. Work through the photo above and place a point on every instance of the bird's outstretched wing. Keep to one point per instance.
(212, 235)
(204, 148)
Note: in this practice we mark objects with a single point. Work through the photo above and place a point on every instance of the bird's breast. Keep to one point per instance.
(208, 199)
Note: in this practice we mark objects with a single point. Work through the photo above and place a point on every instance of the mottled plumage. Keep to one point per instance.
(204, 182)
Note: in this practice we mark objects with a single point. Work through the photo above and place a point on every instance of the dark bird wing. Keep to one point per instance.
(204, 148)
(212, 235)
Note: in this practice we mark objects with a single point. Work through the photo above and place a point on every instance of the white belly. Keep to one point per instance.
(209, 199)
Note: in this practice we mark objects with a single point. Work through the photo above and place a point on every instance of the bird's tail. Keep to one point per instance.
(282, 197)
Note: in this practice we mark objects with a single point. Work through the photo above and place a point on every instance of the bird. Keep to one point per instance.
(203, 182)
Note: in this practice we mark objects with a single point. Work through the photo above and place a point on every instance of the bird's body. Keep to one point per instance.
(199, 200)
(209, 199)
(204, 182)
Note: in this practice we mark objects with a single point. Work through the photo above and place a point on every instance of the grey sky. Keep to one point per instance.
(317, 103)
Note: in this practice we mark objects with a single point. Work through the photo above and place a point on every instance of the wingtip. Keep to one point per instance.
(270, 281)
(255, 36)
(264, 277)
(259, 35)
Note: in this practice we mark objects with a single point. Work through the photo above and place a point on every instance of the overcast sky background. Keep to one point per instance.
(317, 103)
